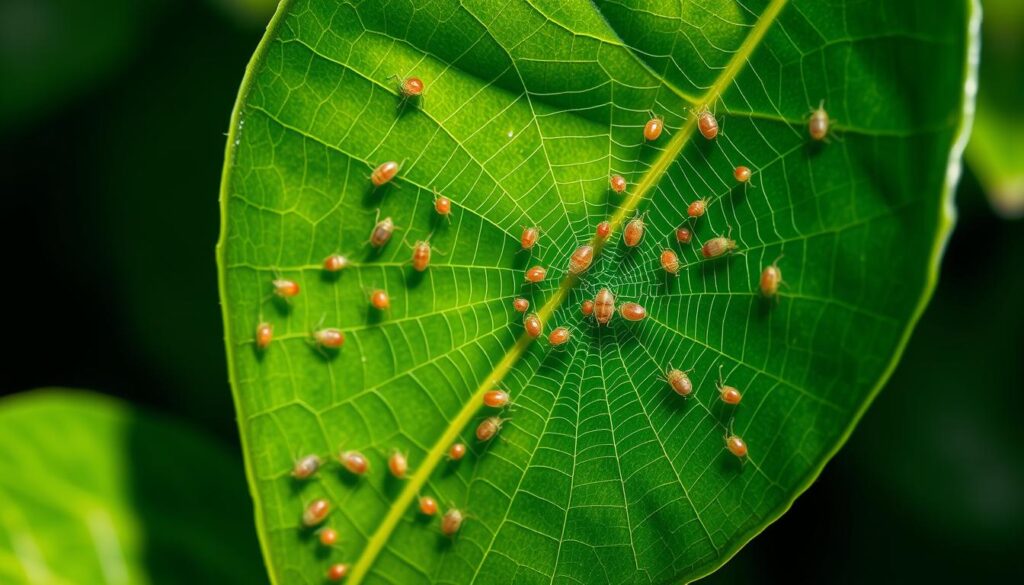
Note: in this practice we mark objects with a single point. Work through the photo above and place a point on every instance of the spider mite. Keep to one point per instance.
(697, 208)
(488, 428)
(559, 336)
(428, 506)
(328, 537)
(742, 174)
(670, 262)
(604, 229)
(382, 232)
(536, 274)
(716, 247)
(521, 304)
(729, 394)
(634, 231)
(421, 255)
(684, 235)
(384, 173)
(533, 325)
(771, 278)
(529, 237)
(618, 183)
(329, 338)
(451, 522)
(653, 128)
(580, 260)
(380, 300)
(264, 335)
(316, 512)
(354, 461)
(587, 308)
(679, 381)
(632, 312)
(707, 124)
(604, 306)
(457, 451)
(306, 466)
(817, 126)
(411, 87)
(496, 398)
(337, 572)
(398, 465)
(335, 263)
(735, 445)
(442, 205)
(285, 288)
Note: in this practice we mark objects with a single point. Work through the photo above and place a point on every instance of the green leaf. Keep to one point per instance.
(995, 152)
(601, 474)
(92, 491)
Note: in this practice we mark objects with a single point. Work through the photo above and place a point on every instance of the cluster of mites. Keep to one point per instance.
(601, 308)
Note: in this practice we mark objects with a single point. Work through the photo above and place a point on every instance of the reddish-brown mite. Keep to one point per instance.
(653, 128)
(604, 229)
(669, 261)
(264, 335)
(488, 428)
(697, 208)
(398, 465)
(684, 235)
(335, 263)
(316, 512)
(521, 304)
(736, 446)
(411, 87)
(679, 381)
(742, 174)
(580, 260)
(306, 467)
(632, 312)
(729, 394)
(529, 237)
(382, 232)
(442, 205)
(380, 300)
(496, 398)
(337, 572)
(457, 451)
(604, 306)
(354, 461)
(707, 123)
(384, 173)
(428, 506)
(618, 183)
(718, 246)
(285, 288)
(771, 278)
(817, 126)
(587, 308)
(328, 536)
(421, 255)
(329, 338)
(634, 232)
(536, 274)
(533, 325)
(451, 522)
(559, 336)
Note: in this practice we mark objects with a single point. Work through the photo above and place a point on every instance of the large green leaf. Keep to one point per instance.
(92, 491)
(603, 474)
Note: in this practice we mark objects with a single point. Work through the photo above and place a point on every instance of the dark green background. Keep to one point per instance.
(111, 141)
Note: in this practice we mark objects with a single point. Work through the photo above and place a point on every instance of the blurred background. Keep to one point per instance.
(112, 121)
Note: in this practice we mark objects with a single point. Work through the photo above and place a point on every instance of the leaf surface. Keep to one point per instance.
(601, 473)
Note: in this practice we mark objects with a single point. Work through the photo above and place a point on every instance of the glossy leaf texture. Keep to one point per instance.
(93, 491)
(601, 473)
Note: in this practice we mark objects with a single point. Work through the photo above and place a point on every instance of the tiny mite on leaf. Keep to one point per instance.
(451, 522)
(618, 183)
(653, 128)
(285, 288)
(604, 306)
(382, 232)
(264, 335)
(736, 446)
(716, 247)
(355, 462)
(411, 87)
(457, 451)
(533, 325)
(428, 506)
(817, 126)
(442, 205)
(337, 572)
(316, 512)
(697, 208)
(421, 256)
(632, 312)
(398, 465)
(707, 123)
(669, 261)
(335, 263)
(604, 229)
(529, 237)
(328, 536)
(559, 336)
(581, 259)
(587, 307)
(634, 232)
(380, 300)
(521, 304)
(771, 278)
(329, 338)
(680, 382)
(729, 394)
(496, 398)
(488, 428)
(536, 274)
(306, 466)
(684, 235)
(384, 173)
(742, 174)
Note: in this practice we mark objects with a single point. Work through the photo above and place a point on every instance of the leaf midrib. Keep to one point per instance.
(379, 539)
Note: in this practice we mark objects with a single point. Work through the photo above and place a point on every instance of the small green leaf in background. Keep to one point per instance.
(92, 491)
(602, 474)
(996, 149)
